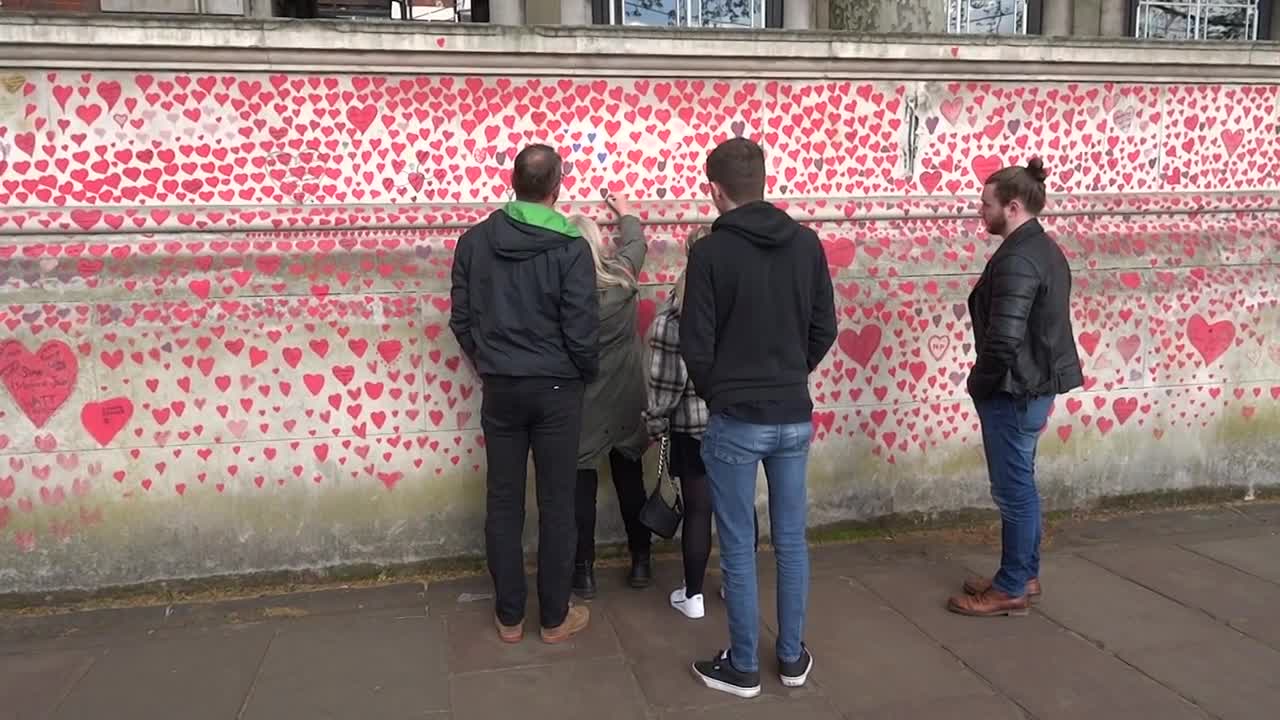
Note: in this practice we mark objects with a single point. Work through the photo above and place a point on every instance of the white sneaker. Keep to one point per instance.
(692, 607)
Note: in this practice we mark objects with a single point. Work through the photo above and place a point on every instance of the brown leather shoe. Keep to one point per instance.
(978, 585)
(574, 623)
(510, 634)
(989, 604)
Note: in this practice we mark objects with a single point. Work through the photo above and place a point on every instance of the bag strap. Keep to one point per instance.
(664, 462)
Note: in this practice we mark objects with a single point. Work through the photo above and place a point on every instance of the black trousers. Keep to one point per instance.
(546, 415)
(628, 480)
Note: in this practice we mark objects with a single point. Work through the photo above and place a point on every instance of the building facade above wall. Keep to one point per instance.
(1221, 20)
(139, 41)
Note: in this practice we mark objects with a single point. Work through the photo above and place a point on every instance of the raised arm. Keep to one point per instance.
(634, 248)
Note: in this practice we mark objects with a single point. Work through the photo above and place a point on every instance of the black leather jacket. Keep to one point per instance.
(1021, 312)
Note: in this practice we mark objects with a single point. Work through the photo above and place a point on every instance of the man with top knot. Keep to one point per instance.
(1026, 355)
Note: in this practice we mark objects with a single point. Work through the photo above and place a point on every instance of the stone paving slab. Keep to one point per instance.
(1015, 654)
(1244, 601)
(1064, 677)
(32, 685)
(580, 690)
(201, 674)
(869, 657)
(801, 709)
(382, 665)
(1117, 614)
(1233, 679)
(983, 707)
(1164, 615)
(1256, 556)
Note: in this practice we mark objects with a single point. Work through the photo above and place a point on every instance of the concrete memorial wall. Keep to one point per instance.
(224, 273)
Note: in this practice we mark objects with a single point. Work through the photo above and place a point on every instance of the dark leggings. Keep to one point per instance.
(696, 538)
(628, 480)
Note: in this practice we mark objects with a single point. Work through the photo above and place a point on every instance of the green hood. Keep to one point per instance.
(540, 216)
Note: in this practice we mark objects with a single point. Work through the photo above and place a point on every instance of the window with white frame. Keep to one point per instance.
(694, 13)
(433, 10)
(1199, 20)
(990, 17)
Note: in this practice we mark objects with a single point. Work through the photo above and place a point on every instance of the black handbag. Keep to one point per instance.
(657, 515)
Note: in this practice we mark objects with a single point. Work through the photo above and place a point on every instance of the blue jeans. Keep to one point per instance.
(732, 450)
(1010, 432)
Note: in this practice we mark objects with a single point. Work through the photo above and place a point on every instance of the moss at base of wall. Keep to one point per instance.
(898, 525)
(1170, 499)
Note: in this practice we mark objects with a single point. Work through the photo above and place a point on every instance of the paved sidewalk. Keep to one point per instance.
(1164, 616)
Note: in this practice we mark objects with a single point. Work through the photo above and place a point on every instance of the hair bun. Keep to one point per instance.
(1035, 168)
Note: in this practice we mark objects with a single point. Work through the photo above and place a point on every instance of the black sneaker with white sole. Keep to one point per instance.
(794, 674)
(719, 674)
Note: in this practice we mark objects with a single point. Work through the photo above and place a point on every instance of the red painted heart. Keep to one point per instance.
(105, 419)
(40, 382)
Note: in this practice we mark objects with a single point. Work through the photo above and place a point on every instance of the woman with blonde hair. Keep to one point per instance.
(611, 410)
(676, 410)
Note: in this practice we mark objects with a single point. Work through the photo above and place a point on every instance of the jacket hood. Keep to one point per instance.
(760, 222)
(524, 230)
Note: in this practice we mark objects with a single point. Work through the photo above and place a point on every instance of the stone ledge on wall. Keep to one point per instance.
(207, 42)
(50, 223)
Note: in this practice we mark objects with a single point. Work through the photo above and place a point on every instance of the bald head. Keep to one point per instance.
(536, 177)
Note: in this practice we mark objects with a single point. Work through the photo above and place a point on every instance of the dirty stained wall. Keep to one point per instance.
(224, 293)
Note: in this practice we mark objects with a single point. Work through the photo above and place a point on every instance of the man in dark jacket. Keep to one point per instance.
(758, 317)
(525, 313)
(1021, 312)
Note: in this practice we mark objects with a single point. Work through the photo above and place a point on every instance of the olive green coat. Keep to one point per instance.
(614, 403)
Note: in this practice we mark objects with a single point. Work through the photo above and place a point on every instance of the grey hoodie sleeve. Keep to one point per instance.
(580, 309)
(634, 248)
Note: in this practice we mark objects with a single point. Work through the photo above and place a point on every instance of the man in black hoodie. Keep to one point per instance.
(526, 315)
(758, 317)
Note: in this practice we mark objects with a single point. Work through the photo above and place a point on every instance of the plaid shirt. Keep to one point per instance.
(673, 405)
